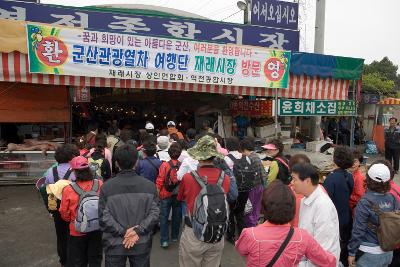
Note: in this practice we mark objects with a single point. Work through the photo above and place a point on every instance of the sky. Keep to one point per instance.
(368, 29)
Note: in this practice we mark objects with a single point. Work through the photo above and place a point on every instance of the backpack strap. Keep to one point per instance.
(67, 174)
(198, 179)
(152, 164)
(95, 185)
(282, 247)
(221, 178)
(283, 162)
(232, 158)
(171, 164)
(77, 189)
(397, 192)
(55, 174)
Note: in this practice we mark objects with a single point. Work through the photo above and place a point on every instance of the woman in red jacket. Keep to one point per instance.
(168, 196)
(84, 248)
(260, 244)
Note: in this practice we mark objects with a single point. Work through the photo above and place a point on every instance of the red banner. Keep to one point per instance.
(81, 94)
(251, 108)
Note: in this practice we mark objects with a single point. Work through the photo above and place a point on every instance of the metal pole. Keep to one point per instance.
(353, 118)
(246, 12)
(319, 49)
(276, 112)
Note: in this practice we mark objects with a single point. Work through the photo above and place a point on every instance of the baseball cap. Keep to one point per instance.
(149, 126)
(269, 147)
(379, 173)
(163, 142)
(79, 163)
(171, 123)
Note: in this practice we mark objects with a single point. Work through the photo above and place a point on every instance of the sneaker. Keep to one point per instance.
(164, 244)
(174, 240)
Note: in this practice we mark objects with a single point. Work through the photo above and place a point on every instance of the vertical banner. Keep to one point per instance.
(81, 94)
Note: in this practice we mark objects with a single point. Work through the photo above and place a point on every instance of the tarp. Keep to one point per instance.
(32, 103)
(389, 101)
(326, 66)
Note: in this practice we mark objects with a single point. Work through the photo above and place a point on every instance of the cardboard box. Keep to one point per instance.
(266, 131)
(315, 146)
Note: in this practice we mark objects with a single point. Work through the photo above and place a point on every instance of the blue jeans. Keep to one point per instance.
(166, 205)
(376, 260)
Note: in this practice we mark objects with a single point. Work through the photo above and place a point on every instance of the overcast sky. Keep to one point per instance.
(368, 29)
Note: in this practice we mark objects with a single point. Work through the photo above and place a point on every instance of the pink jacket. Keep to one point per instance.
(395, 190)
(259, 245)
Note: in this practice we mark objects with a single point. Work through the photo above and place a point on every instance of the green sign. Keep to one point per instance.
(305, 107)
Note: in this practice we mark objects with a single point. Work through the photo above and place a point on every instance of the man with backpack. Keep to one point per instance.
(206, 221)
(150, 165)
(79, 207)
(167, 187)
(99, 165)
(61, 171)
(128, 212)
(245, 174)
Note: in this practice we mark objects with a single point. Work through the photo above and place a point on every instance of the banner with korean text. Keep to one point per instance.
(76, 52)
(305, 107)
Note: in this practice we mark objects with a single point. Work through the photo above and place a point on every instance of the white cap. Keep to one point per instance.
(379, 173)
(149, 126)
(162, 142)
(171, 123)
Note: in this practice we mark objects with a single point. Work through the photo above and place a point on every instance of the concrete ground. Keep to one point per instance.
(27, 234)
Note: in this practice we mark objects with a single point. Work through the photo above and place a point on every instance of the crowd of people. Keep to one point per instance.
(110, 193)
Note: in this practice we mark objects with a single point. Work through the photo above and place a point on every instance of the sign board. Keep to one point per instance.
(200, 30)
(370, 98)
(251, 108)
(305, 107)
(81, 94)
(76, 52)
(273, 13)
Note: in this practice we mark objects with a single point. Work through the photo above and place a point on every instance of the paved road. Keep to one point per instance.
(27, 235)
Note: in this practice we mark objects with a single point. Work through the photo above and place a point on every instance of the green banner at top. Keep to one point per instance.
(76, 52)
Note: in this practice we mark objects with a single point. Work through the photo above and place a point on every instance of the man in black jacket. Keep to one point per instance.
(392, 143)
(128, 211)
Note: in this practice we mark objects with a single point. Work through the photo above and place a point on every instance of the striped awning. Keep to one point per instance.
(15, 68)
(389, 101)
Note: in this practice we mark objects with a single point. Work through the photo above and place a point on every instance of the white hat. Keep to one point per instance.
(379, 173)
(162, 142)
(171, 123)
(149, 126)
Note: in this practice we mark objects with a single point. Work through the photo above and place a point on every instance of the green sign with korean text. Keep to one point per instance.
(305, 107)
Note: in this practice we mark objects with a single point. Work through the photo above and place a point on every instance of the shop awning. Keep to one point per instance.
(33, 103)
(389, 101)
(326, 66)
(15, 68)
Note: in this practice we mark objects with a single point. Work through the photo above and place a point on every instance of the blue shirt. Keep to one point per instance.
(339, 186)
(62, 170)
(147, 170)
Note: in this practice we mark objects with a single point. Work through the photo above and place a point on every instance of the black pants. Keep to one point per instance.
(396, 258)
(237, 214)
(345, 235)
(393, 156)
(142, 260)
(62, 232)
(85, 250)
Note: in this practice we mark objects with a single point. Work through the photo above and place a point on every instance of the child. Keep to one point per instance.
(83, 248)
(359, 180)
(167, 177)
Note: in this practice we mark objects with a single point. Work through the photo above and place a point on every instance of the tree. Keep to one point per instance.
(381, 77)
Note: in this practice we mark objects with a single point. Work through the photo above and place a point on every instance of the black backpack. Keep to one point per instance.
(210, 212)
(245, 173)
(284, 173)
(169, 185)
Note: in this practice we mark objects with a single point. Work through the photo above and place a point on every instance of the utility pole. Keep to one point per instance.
(318, 49)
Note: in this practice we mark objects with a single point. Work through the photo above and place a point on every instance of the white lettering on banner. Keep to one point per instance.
(271, 13)
(287, 107)
(277, 40)
(321, 108)
(299, 107)
(52, 51)
(331, 107)
(285, 14)
(18, 14)
(127, 24)
(275, 68)
(71, 21)
(182, 30)
(310, 107)
(292, 16)
(228, 35)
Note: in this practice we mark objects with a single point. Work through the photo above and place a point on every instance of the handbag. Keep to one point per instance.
(282, 247)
